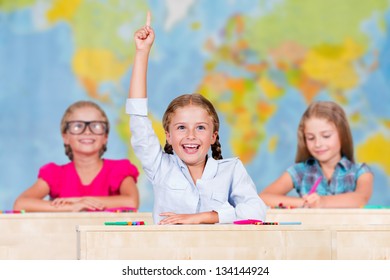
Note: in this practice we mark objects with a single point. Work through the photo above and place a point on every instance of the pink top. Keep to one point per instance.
(64, 181)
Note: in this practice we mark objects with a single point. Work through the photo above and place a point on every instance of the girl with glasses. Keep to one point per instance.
(88, 182)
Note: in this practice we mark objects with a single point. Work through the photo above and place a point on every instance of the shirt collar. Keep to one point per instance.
(209, 171)
(179, 162)
(344, 162)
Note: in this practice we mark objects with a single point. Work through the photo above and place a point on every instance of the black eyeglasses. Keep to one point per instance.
(78, 127)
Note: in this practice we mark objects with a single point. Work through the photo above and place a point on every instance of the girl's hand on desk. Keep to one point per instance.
(174, 219)
(77, 204)
(198, 218)
(312, 200)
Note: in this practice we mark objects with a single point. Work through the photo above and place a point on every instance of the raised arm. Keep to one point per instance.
(144, 39)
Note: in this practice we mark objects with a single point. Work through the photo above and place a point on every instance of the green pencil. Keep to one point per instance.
(116, 223)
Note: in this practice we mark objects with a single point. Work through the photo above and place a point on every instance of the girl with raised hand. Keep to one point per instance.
(190, 186)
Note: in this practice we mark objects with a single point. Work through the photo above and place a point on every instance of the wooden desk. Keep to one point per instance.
(203, 242)
(356, 216)
(51, 235)
(227, 242)
(371, 242)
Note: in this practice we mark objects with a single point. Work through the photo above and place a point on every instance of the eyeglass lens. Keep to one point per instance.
(96, 127)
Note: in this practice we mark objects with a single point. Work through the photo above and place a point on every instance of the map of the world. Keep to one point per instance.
(260, 63)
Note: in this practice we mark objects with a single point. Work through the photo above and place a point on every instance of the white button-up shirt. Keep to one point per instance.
(225, 186)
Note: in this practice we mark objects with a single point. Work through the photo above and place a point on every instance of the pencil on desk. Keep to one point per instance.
(135, 223)
(277, 223)
(116, 223)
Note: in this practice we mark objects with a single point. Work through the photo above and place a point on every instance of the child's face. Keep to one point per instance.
(86, 143)
(322, 140)
(191, 134)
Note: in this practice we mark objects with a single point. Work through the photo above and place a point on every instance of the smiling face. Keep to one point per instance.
(322, 140)
(86, 143)
(191, 133)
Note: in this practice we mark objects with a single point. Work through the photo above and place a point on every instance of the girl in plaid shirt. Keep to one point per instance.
(325, 174)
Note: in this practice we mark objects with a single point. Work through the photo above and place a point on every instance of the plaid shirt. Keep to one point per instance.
(343, 180)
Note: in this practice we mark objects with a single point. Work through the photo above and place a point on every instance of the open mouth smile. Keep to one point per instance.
(191, 148)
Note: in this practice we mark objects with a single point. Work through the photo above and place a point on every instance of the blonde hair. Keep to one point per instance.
(70, 110)
(196, 100)
(334, 113)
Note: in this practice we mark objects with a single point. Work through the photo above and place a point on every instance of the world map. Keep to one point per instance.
(259, 62)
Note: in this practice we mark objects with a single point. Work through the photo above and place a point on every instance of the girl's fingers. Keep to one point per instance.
(167, 214)
(141, 34)
(148, 18)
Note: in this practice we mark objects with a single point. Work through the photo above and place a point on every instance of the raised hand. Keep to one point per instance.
(144, 37)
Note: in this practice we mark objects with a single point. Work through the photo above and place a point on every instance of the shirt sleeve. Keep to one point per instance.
(363, 168)
(137, 106)
(144, 141)
(122, 169)
(51, 174)
(295, 176)
(244, 201)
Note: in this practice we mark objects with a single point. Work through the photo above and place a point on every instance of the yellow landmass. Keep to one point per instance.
(63, 10)
(356, 118)
(270, 89)
(91, 86)
(244, 110)
(273, 143)
(333, 64)
(124, 133)
(386, 123)
(309, 87)
(265, 111)
(236, 85)
(289, 57)
(375, 150)
(98, 65)
(246, 139)
(196, 25)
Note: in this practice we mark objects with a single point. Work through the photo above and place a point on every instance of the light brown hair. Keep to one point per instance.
(195, 99)
(70, 110)
(334, 113)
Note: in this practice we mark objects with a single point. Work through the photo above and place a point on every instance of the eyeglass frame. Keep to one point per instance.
(86, 124)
